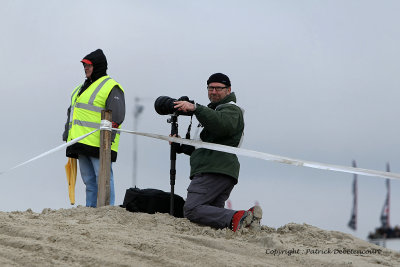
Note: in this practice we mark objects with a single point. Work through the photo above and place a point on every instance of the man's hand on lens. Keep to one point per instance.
(184, 106)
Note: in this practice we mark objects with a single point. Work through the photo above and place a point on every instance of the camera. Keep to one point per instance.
(164, 105)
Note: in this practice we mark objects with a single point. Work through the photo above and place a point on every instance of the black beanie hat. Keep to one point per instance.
(219, 78)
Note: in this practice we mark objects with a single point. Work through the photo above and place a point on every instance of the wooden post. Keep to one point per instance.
(103, 192)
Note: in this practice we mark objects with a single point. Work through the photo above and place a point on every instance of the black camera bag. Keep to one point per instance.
(151, 201)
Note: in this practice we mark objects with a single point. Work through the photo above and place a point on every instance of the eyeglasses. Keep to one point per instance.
(86, 65)
(218, 89)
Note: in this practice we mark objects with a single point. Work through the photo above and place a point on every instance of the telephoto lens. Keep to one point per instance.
(164, 105)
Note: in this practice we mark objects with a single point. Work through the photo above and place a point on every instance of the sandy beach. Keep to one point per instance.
(112, 236)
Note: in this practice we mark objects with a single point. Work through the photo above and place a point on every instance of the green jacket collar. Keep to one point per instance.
(227, 99)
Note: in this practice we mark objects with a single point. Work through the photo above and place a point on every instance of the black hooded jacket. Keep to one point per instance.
(99, 68)
(115, 102)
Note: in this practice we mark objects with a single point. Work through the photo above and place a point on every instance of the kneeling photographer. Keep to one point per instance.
(213, 174)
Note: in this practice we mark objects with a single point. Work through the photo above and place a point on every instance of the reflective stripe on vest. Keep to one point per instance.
(89, 107)
(96, 91)
(87, 124)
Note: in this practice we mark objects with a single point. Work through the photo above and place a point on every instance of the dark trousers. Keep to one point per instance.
(206, 198)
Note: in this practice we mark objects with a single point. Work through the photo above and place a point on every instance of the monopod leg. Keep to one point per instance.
(174, 131)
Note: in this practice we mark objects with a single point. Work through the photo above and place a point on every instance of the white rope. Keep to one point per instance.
(51, 151)
(269, 157)
(105, 125)
(228, 149)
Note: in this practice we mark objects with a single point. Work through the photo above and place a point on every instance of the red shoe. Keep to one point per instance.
(240, 219)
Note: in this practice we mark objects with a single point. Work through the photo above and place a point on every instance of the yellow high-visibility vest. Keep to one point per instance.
(86, 110)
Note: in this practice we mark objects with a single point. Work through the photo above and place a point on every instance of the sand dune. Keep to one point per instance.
(112, 236)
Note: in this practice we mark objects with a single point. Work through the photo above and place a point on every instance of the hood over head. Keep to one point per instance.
(99, 62)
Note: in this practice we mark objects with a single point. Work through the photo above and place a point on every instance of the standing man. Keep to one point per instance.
(213, 174)
(98, 92)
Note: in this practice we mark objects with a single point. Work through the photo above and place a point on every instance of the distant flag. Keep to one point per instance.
(353, 219)
(386, 206)
(229, 204)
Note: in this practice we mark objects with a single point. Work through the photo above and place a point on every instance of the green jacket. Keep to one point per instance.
(223, 124)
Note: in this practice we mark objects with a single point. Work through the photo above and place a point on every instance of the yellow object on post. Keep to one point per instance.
(70, 169)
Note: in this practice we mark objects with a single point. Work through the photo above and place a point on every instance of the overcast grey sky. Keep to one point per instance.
(318, 80)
